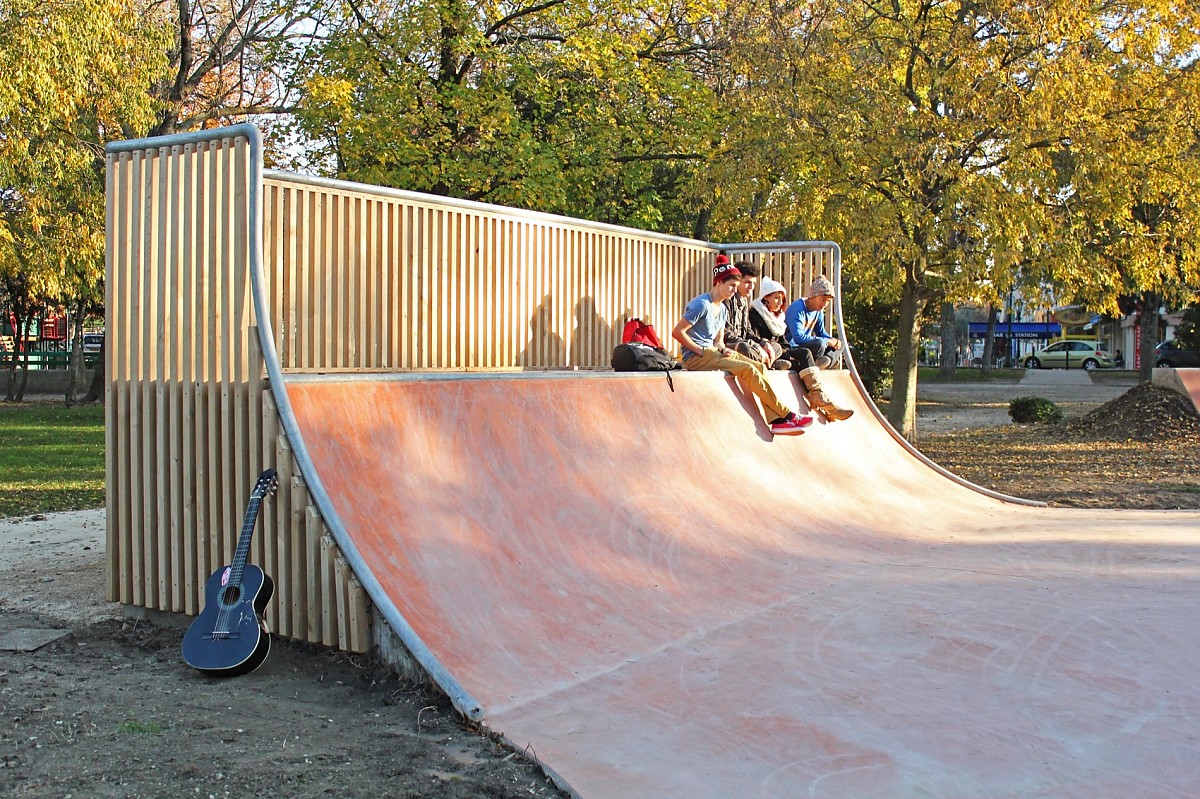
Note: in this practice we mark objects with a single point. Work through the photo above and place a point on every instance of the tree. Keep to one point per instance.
(927, 136)
(229, 60)
(79, 76)
(1187, 335)
(555, 105)
(1130, 208)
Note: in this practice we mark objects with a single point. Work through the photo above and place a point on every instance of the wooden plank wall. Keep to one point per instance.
(362, 278)
(358, 278)
(190, 420)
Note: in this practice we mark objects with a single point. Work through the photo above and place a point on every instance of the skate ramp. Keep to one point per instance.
(645, 591)
(1182, 381)
(1190, 379)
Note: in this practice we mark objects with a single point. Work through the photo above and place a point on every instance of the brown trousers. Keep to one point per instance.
(750, 375)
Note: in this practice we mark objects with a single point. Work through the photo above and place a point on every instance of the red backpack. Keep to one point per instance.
(637, 331)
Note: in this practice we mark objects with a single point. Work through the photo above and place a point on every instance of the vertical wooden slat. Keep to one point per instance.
(117, 352)
(360, 616)
(189, 335)
(157, 299)
(341, 576)
(213, 290)
(314, 527)
(176, 275)
(327, 577)
(141, 429)
(240, 333)
(299, 560)
(276, 516)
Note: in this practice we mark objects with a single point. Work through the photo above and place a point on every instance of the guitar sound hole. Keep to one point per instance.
(231, 595)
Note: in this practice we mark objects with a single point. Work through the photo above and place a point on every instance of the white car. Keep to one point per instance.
(1071, 354)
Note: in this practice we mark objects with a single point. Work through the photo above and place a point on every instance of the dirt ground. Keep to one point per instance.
(1119, 446)
(95, 705)
(108, 709)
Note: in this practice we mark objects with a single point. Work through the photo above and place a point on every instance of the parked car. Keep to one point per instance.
(1072, 355)
(1171, 354)
(92, 342)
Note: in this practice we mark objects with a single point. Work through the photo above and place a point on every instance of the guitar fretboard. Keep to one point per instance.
(243, 546)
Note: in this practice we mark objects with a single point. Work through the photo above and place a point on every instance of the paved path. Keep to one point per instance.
(1078, 388)
(1056, 377)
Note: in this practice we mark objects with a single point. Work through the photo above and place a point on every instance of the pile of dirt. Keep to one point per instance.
(1146, 413)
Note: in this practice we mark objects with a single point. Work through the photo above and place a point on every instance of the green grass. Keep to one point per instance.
(133, 726)
(51, 458)
(963, 374)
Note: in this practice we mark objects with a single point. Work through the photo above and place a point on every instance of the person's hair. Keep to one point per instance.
(748, 269)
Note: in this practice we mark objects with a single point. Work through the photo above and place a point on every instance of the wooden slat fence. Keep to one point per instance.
(357, 278)
(369, 278)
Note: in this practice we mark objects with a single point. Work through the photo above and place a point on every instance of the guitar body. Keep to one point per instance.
(229, 637)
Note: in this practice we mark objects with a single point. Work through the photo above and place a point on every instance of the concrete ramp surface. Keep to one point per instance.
(658, 600)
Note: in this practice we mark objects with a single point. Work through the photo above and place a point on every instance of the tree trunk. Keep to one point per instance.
(16, 389)
(96, 389)
(1148, 336)
(21, 309)
(700, 227)
(989, 340)
(902, 412)
(75, 363)
(949, 342)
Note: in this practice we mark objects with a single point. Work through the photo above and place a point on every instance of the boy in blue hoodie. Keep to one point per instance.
(812, 348)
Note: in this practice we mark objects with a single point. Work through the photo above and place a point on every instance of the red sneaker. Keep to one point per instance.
(803, 421)
(791, 426)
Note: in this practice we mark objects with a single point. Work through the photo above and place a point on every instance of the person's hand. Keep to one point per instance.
(835, 344)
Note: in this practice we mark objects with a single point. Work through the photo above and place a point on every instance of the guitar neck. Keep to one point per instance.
(243, 547)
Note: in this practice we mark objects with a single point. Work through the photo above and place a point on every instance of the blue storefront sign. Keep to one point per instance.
(1042, 331)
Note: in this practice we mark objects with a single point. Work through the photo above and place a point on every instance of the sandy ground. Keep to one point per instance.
(96, 705)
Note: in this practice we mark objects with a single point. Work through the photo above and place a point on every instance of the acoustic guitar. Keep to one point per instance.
(230, 637)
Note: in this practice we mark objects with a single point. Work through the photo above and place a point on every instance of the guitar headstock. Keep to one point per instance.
(268, 483)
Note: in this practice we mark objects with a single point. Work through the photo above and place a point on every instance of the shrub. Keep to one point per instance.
(1034, 409)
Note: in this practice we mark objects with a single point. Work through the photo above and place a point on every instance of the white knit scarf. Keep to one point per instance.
(774, 322)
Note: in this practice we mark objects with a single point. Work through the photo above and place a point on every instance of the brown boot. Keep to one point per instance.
(819, 400)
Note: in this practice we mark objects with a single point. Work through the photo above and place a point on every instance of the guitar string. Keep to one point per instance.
(220, 629)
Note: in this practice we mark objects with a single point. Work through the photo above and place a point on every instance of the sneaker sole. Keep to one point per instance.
(791, 431)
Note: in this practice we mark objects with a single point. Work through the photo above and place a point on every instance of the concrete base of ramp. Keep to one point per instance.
(659, 600)
(1185, 381)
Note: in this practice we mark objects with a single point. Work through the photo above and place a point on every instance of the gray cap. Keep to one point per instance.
(820, 286)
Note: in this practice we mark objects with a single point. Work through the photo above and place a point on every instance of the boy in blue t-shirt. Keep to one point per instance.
(812, 348)
(701, 333)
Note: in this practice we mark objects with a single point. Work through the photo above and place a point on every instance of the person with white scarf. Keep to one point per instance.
(768, 319)
(767, 322)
